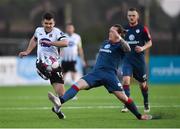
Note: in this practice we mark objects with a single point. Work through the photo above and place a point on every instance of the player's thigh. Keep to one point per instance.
(139, 73)
(112, 83)
(73, 66)
(56, 77)
(82, 84)
(65, 66)
(93, 79)
(126, 80)
(69, 66)
(127, 69)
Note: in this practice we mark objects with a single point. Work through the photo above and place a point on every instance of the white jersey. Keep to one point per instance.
(44, 50)
(70, 53)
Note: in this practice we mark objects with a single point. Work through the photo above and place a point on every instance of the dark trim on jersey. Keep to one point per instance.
(47, 32)
(61, 38)
(35, 39)
(146, 30)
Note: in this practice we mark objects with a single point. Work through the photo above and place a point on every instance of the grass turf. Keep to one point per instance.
(28, 107)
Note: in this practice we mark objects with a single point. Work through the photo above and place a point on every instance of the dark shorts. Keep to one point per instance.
(54, 76)
(107, 78)
(135, 69)
(69, 66)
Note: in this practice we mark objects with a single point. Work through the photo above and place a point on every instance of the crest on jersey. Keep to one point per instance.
(107, 46)
(50, 35)
(131, 37)
(71, 44)
(137, 30)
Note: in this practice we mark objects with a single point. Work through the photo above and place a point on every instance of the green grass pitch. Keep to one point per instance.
(29, 107)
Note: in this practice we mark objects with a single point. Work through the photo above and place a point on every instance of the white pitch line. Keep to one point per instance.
(83, 107)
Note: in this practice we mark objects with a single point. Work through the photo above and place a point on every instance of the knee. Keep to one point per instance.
(143, 85)
(126, 80)
(81, 84)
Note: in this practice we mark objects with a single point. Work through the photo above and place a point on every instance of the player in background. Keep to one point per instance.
(70, 55)
(47, 39)
(105, 73)
(139, 39)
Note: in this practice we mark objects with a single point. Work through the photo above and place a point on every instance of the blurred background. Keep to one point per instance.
(92, 19)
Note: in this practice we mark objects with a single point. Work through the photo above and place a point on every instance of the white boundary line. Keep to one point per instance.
(82, 107)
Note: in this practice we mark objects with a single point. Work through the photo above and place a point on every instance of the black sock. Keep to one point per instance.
(144, 91)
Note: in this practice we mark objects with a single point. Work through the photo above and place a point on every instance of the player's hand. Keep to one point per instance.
(118, 36)
(22, 54)
(139, 49)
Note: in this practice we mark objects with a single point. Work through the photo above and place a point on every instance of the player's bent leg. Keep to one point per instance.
(59, 88)
(59, 113)
(131, 106)
(57, 105)
(144, 90)
(126, 84)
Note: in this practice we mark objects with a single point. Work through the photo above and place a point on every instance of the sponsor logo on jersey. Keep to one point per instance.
(43, 44)
(105, 50)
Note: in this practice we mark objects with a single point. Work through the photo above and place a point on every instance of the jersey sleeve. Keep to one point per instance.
(146, 34)
(35, 33)
(61, 35)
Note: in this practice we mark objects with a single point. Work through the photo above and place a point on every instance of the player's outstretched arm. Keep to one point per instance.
(61, 43)
(31, 46)
(125, 45)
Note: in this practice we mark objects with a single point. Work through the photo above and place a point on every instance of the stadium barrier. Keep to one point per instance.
(164, 69)
(15, 71)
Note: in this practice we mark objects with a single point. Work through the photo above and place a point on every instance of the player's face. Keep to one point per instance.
(133, 17)
(70, 29)
(112, 36)
(48, 24)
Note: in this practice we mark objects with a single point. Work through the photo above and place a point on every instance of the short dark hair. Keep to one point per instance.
(133, 9)
(120, 30)
(48, 16)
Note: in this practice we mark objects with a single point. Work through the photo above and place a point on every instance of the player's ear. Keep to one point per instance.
(137, 15)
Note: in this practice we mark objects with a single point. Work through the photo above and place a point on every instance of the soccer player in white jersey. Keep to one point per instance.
(71, 53)
(48, 39)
